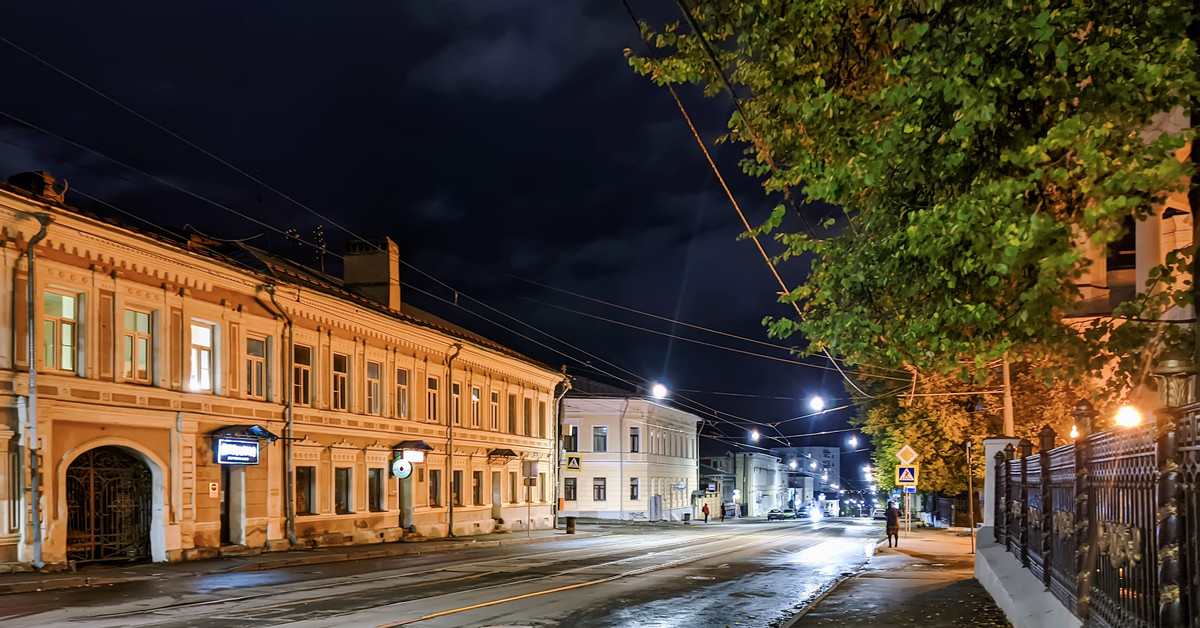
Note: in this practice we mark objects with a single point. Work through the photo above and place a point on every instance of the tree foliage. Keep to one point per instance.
(977, 148)
(939, 415)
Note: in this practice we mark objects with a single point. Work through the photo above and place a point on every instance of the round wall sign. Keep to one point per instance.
(402, 468)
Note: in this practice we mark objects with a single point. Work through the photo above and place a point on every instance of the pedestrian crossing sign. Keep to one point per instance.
(906, 475)
(574, 463)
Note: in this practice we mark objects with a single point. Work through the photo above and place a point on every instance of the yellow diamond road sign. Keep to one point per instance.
(907, 454)
(906, 475)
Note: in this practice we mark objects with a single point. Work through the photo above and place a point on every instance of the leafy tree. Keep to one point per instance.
(978, 150)
(939, 414)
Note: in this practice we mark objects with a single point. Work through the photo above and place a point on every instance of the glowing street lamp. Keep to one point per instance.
(1128, 416)
(792, 464)
(1074, 432)
(658, 390)
(854, 441)
(817, 404)
(754, 436)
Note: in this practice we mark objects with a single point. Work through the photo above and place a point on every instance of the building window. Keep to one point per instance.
(201, 377)
(477, 488)
(402, 393)
(137, 347)
(633, 489)
(571, 437)
(375, 489)
(373, 387)
(570, 489)
(599, 489)
(301, 374)
(306, 503)
(256, 368)
(435, 487)
(341, 381)
(527, 415)
(476, 396)
(512, 414)
(455, 402)
(431, 399)
(456, 486)
(542, 431)
(634, 437)
(342, 491)
(600, 439)
(495, 411)
(542, 487)
(58, 331)
(16, 481)
(512, 487)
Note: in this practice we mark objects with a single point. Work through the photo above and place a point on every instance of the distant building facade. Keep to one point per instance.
(168, 374)
(628, 457)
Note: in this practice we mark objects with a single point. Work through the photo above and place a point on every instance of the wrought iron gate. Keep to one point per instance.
(108, 506)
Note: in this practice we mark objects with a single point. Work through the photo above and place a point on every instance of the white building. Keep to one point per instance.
(762, 483)
(824, 464)
(627, 457)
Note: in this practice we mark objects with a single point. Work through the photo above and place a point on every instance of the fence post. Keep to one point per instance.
(1170, 610)
(1010, 457)
(999, 525)
(1083, 529)
(1023, 513)
(1046, 443)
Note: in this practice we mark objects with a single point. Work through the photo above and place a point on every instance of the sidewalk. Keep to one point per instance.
(928, 581)
(97, 575)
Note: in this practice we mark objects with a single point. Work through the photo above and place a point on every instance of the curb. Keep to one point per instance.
(78, 582)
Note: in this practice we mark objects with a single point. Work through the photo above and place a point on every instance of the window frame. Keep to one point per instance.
(307, 489)
(53, 360)
(374, 387)
(376, 480)
(456, 486)
(339, 385)
(435, 488)
(343, 490)
(432, 383)
(495, 400)
(456, 404)
(600, 439)
(302, 376)
(130, 339)
(634, 489)
(634, 440)
(599, 489)
(477, 488)
(476, 402)
(203, 358)
(571, 489)
(257, 365)
(401, 392)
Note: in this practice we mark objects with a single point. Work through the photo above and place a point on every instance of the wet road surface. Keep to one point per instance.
(746, 573)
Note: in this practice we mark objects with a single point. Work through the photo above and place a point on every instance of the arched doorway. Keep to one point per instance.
(109, 507)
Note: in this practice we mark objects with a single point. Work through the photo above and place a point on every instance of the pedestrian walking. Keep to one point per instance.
(892, 514)
(722, 513)
(705, 511)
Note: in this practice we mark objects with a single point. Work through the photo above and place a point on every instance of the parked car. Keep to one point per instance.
(788, 513)
(774, 514)
(880, 513)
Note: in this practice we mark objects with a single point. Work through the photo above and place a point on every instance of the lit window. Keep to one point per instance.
(137, 339)
(200, 379)
(58, 332)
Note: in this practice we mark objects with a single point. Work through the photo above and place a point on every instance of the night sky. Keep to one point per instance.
(502, 143)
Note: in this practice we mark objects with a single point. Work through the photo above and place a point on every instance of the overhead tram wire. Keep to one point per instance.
(729, 193)
(296, 202)
(321, 216)
(700, 342)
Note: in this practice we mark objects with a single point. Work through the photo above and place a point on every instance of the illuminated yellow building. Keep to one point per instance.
(167, 374)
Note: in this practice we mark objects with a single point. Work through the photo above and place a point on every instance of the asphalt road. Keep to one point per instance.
(747, 573)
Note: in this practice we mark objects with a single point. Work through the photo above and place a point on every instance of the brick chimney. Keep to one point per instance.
(372, 269)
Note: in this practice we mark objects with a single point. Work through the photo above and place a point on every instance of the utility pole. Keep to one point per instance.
(1009, 427)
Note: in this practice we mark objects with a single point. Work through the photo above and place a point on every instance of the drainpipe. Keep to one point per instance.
(558, 471)
(450, 431)
(289, 504)
(31, 400)
(621, 461)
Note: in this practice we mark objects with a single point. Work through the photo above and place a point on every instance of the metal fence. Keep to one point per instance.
(1111, 523)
